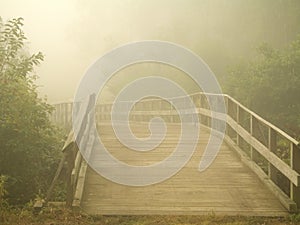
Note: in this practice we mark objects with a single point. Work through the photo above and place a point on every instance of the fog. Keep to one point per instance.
(73, 34)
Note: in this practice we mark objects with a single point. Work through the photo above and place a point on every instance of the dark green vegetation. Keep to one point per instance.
(269, 85)
(64, 217)
(29, 151)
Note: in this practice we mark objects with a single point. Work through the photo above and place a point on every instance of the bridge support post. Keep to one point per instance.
(295, 159)
(272, 143)
(251, 133)
(238, 122)
(70, 157)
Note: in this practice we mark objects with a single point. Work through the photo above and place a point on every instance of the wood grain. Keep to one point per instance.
(226, 187)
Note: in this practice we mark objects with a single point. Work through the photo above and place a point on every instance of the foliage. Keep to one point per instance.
(3, 191)
(29, 142)
(53, 215)
(269, 85)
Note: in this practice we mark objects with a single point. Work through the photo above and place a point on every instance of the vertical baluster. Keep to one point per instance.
(295, 159)
(205, 118)
(100, 112)
(100, 116)
(97, 112)
(53, 115)
(170, 112)
(238, 122)
(69, 115)
(105, 112)
(59, 115)
(109, 111)
(129, 110)
(272, 144)
(147, 109)
(210, 107)
(63, 110)
(68, 124)
(226, 105)
(65, 106)
(199, 108)
(133, 111)
(200, 101)
(251, 132)
(56, 114)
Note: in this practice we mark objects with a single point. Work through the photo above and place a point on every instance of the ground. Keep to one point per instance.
(54, 216)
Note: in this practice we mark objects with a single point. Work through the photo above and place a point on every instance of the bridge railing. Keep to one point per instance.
(269, 151)
(75, 164)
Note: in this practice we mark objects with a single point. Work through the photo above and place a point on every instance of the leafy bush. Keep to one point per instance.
(29, 142)
(269, 84)
(3, 191)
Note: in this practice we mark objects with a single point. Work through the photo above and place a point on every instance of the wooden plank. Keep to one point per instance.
(289, 204)
(227, 187)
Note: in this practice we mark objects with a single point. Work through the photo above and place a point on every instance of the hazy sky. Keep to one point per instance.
(74, 33)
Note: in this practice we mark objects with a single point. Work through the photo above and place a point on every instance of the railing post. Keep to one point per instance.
(70, 157)
(238, 122)
(251, 132)
(100, 112)
(97, 114)
(57, 111)
(272, 144)
(69, 115)
(200, 106)
(295, 165)
(66, 116)
(200, 100)
(171, 114)
(104, 112)
(62, 115)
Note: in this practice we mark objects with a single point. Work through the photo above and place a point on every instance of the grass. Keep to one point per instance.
(56, 216)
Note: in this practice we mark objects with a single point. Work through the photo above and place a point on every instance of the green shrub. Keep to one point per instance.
(29, 143)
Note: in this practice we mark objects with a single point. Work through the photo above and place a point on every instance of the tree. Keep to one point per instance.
(270, 85)
(29, 142)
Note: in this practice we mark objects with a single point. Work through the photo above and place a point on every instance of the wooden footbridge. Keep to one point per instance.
(256, 171)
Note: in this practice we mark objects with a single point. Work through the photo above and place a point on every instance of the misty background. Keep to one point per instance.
(74, 33)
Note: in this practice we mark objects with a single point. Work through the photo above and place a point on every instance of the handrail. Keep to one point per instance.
(263, 120)
(67, 111)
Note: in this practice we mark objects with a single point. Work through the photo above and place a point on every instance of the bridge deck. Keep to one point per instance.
(226, 187)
